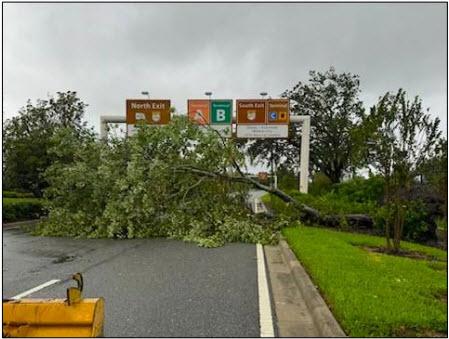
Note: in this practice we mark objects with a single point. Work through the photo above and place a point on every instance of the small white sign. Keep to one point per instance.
(224, 130)
(262, 131)
(132, 129)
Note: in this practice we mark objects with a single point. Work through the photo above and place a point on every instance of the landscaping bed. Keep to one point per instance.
(375, 294)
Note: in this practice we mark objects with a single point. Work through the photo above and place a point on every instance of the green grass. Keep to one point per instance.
(373, 294)
(266, 197)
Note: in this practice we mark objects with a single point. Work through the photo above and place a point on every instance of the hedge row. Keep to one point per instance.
(11, 194)
(21, 209)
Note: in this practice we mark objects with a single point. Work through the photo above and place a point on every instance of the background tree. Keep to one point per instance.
(434, 171)
(332, 101)
(28, 137)
(277, 154)
(399, 136)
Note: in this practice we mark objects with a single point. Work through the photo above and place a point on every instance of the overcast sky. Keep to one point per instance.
(110, 52)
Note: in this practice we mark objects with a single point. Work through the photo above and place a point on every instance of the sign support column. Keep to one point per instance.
(305, 142)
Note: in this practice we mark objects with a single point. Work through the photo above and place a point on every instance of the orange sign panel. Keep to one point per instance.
(199, 111)
(251, 111)
(263, 175)
(155, 112)
(278, 111)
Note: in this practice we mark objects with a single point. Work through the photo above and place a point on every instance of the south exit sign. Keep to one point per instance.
(261, 118)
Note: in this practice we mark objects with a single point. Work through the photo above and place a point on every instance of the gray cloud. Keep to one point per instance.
(109, 52)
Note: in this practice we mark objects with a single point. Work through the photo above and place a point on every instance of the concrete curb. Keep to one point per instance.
(10, 225)
(322, 316)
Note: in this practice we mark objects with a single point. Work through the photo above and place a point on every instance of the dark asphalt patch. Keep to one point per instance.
(63, 259)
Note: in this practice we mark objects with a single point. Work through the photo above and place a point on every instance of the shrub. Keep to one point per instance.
(334, 203)
(21, 209)
(320, 184)
(416, 220)
(287, 180)
(361, 190)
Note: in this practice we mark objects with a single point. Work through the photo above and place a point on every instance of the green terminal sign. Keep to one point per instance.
(221, 112)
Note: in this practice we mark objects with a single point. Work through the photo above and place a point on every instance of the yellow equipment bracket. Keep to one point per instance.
(71, 317)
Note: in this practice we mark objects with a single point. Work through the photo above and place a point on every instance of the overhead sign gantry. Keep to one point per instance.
(251, 122)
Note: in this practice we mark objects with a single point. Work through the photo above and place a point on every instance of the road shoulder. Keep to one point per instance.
(299, 309)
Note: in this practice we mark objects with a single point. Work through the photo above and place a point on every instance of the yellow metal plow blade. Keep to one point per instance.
(71, 317)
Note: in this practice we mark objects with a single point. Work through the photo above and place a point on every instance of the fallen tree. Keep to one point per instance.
(308, 214)
(178, 181)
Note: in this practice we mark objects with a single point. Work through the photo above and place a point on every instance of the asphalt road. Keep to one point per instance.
(152, 287)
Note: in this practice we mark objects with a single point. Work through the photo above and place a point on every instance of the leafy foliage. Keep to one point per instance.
(279, 154)
(415, 224)
(14, 209)
(140, 187)
(399, 136)
(332, 101)
(434, 170)
(320, 184)
(358, 196)
(329, 203)
(361, 190)
(287, 179)
(27, 139)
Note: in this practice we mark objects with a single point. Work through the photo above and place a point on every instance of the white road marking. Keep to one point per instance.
(35, 289)
(266, 319)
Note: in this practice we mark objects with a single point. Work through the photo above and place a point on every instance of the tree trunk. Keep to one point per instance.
(308, 214)
(388, 231)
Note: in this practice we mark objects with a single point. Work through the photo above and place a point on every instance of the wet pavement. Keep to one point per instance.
(152, 287)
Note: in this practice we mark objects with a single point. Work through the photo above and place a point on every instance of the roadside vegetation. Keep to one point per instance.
(365, 197)
(373, 294)
(19, 206)
(186, 182)
(154, 183)
(395, 142)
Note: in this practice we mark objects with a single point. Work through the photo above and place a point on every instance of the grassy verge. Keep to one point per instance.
(373, 294)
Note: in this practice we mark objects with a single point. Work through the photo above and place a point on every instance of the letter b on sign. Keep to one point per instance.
(221, 115)
(221, 111)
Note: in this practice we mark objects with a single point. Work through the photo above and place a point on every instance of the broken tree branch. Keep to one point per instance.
(308, 213)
